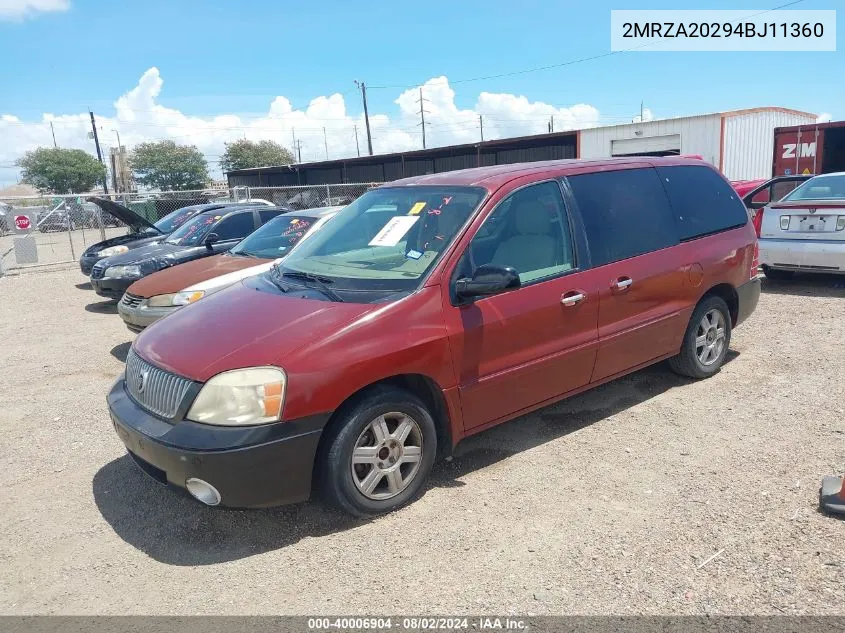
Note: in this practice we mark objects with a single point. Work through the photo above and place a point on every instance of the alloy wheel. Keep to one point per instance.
(387, 456)
(710, 337)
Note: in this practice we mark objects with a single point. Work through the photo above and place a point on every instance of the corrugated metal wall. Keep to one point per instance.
(699, 135)
(393, 167)
(749, 141)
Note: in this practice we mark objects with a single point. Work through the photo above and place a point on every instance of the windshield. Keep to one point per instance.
(819, 188)
(387, 239)
(275, 238)
(193, 231)
(173, 221)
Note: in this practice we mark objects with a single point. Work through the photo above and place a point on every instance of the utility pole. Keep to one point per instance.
(366, 115)
(326, 143)
(641, 111)
(99, 153)
(481, 125)
(298, 147)
(114, 165)
(54, 135)
(421, 101)
(552, 124)
(357, 149)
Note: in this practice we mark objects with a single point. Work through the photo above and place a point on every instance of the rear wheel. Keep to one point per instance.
(379, 454)
(777, 274)
(706, 340)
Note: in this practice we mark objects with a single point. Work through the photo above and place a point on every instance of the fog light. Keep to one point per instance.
(203, 491)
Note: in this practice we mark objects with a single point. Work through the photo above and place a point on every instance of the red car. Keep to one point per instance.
(428, 310)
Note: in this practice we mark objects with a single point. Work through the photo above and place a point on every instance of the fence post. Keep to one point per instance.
(69, 232)
(328, 195)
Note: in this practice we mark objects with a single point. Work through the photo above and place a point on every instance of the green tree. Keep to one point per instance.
(167, 166)
(244, 154)
(56, 170)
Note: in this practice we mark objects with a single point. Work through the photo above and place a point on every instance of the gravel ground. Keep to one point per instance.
(650, 495)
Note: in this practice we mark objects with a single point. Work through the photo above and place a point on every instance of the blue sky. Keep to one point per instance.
(219, 58)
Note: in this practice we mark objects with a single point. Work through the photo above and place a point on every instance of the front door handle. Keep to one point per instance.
(623, 282)
(572, 297)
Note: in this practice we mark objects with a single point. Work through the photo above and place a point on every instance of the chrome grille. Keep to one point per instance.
(97, 271)
(156, 390)
(131, 301)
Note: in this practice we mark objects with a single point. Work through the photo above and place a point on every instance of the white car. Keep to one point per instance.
(805, 230)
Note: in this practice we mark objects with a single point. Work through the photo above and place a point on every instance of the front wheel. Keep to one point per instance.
(379, 453)
(706, 340)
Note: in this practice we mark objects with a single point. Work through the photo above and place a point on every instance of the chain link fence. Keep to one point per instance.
(60, 228)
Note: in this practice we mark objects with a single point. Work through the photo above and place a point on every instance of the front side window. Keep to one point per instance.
(819, 188)
(386, 240)
(235, 227)
(275, 238)
(528, 231)
(626, 213)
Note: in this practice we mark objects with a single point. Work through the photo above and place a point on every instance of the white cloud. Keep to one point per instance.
(139, 116)
(824, 117)
(20, 9)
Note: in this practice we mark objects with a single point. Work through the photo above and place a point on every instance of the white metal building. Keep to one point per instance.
(739, 142)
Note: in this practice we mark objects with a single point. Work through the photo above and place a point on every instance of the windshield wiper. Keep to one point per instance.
(318, 281)
(243, 254)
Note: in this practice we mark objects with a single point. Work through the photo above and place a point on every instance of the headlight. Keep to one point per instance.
(160, 301)
(113, 272)
(184, 298)
(241, 397)
(113, 250)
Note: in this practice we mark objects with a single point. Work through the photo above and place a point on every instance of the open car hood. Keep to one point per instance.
(124, 214)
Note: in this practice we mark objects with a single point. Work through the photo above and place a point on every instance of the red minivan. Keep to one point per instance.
(428, 310)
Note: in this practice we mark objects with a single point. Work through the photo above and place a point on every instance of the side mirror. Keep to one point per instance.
(212, 239)
(487, 280)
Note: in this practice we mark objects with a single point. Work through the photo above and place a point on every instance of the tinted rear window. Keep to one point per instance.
(703, 202)
(626, 213)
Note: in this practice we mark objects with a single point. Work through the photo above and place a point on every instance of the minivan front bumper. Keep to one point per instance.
(250, 467)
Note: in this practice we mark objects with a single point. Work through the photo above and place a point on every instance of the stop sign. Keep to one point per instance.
(22, 222)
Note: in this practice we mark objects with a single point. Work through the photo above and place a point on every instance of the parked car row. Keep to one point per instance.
(347, 354)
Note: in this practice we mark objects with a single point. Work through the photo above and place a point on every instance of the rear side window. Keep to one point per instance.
(268, 214)
(703, 202)
(235, 227)
(626, 213)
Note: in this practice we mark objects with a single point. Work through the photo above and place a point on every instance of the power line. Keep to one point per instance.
(563, 64)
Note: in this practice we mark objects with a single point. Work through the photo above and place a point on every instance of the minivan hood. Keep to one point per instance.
(180, 277)
(242, 327)
(124, 214)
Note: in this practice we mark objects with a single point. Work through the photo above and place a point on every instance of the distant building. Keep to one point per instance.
(739, 142)
(122, 179)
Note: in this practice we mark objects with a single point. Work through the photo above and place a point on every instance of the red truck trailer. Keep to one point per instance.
(809, 149)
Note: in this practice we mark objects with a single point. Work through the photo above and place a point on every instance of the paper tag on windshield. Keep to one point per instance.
(415, 210)
(393, 232)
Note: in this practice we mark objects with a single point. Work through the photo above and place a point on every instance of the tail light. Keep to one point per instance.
(757, 221)
(755, 261)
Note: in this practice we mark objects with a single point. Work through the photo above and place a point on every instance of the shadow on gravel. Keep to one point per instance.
(802, 285)
(176, 530)
(102, 307)
(120, 351)
(84, 286)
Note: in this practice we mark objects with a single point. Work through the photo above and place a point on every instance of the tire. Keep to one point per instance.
(775, 274)
(343, 483)
(692, 360)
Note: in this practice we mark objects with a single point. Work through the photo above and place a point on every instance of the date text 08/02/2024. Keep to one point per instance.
(418, 623)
